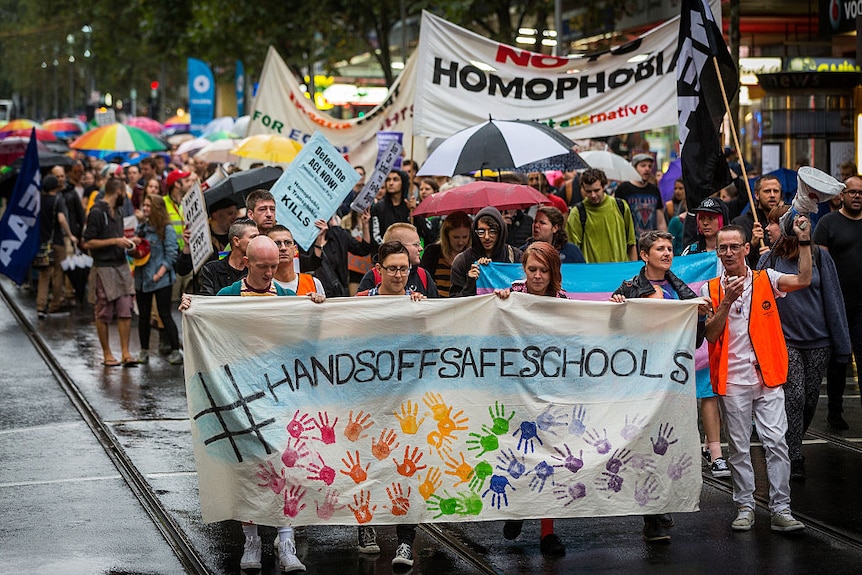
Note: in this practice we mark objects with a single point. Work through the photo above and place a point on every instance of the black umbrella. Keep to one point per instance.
(239, 184)
(47, 159)
(565, 163)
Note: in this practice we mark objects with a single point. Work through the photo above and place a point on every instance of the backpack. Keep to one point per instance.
(582, 215)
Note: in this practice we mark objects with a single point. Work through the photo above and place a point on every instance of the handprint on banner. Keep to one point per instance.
(528, 432)
(510, 464)
(327, 431)
(356, 427)
(329, 506)
(543, 472)
(292, 500)
(661, 444)
(431, 483)
(571, 492)
(354, 468)
(486, 443)
(384, 446)
(400, 502)
(293, 453)
(643, 463)
(633, 428)
(362, 509)
(579, 416)
(321, 472)
(407, 418)
(442, 506)
(645, 492)
(569, 461)
(434, 401)
(298, 426)
(600, 442)
(481, 472)
(618, 461)
(498, 491)
(499, 421)
(469, 503)
(410, 465)
(270, 478)
(463, 471)
(609, 482)
(548, 419)
(679, 466)
(446, 428)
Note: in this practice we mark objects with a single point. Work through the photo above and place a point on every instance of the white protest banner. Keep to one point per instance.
(385, 410)
(381, 170)
(312, 188)
(281, 107)
(195, 215)
(462, 77)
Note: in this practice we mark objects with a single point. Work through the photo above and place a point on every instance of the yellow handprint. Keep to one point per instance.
(407, 419)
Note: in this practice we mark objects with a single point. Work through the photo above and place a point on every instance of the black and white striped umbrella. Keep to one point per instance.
(495, 144)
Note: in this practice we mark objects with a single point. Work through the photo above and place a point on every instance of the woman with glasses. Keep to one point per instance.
(814, 323)
(439, 256)
(488, 244)
(541, 262)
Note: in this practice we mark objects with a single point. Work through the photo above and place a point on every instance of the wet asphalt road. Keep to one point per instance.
(67, 508)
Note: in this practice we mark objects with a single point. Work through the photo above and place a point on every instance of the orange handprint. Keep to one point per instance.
(354, 429)
(460, 470)
(382, 447)
(400, 502)
(360, 507)
(434, 401)
(445, 428)
(409, 466)
(407, 419)
(354, 468)
(431, 483)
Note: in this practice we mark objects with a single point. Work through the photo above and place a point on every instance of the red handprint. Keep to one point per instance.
(354, 468)
(354, 429)
(360, 507)
(409, 466)
(383, 446)
(294, 453)
(298, 426)
(329, 506)
(321, 472)
(292, 500)
(270, 478)
(400, 502)
(327, 432)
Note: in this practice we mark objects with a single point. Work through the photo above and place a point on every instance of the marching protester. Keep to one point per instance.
(418, 279)
(549, 225)
(601, 226)
(428, 228)
(217, 274)
(437, 258)
(392, 208)
(767, 195)
(53, 227)
(643, 197)
(487, 244)
(286, 275)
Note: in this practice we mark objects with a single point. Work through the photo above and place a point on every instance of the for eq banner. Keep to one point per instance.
(385, 410)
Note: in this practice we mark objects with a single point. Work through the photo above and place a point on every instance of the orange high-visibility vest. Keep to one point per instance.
(764, 330)
(305, 285)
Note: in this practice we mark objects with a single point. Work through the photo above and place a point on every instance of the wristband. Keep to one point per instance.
(804, 242)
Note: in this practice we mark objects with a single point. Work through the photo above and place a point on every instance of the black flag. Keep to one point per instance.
(701, 107)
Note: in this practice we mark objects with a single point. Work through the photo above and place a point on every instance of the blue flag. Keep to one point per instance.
(240, 90)
(19, 228)
(201, 95)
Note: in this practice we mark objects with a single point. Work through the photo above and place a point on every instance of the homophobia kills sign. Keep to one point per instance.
(312, 188)
(385, 410)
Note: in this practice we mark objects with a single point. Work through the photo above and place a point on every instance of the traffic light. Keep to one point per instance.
(154, 103)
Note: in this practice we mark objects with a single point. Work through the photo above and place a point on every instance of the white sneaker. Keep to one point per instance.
(368, 540)
(403, 555)
(744, 519)
(784, 521)
(287, 559)
(176, 357)
(250, 553)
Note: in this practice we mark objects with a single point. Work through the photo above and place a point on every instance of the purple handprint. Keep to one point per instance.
(679, 466)
(498, 486)
(601, 444)
(298, 426)
(543, 472)
(609, 482)
(569, 461)
(511, 465)
(321, 472)
(528, 432)
(660, 445)
(327, 431)
(644, 491)
(618, 460)
(548, 420)
(643, 463)
(571, 492)
(579, 415)
(294, 453)
(633, 428)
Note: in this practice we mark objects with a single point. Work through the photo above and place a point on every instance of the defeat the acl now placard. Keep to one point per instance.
(384, 410)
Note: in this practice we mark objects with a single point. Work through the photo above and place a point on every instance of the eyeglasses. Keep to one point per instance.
(491, 233)
(285, 243)
(732, 248)
(395, 270)
(853, 192)
(415, 245)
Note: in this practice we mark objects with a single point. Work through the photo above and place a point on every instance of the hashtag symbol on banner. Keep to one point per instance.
(237, 411)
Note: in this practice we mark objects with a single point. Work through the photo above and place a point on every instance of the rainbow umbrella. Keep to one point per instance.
(65, 127)
(146, 124)
(41, 134)
(19, 124)
(118, 138)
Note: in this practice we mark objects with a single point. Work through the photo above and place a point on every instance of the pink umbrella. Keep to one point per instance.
(146, 124)
(13, 148)
(41, 135)
(474, 196)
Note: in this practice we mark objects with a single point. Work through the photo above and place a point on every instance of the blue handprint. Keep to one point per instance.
(528, 432)
(579, 415)
(543, 472)
(547, 420)
(498, 486)
(511, 465)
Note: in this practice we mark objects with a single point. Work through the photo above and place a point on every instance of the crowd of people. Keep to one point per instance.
(781, 313)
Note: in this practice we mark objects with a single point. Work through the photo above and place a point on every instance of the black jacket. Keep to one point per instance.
(216, 275)
(331, 267)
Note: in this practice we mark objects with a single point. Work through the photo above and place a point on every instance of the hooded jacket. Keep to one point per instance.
(462, 284)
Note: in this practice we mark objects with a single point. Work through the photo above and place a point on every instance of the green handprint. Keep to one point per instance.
(499, 421)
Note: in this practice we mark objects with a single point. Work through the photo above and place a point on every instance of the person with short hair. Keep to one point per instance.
(549, 225)
(260, 207)
(418, 279)
(216, 274)
(601, 225)
(53, 227)
(767, 195)
(643, 197)
(285, 275)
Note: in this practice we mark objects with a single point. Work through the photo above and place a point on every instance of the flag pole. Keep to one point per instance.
(735, 139)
